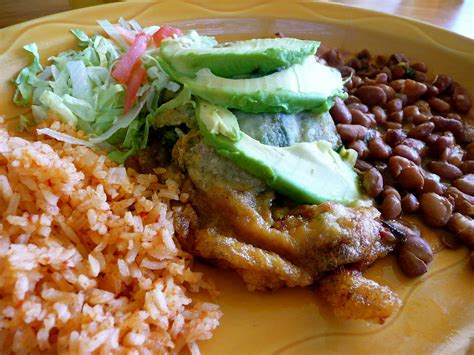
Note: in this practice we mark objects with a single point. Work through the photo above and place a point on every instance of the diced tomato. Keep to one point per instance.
(127, 35)
(165, 32)
(136, 80)
(124, 68)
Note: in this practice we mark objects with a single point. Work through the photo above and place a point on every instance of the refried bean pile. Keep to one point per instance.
(415, 147)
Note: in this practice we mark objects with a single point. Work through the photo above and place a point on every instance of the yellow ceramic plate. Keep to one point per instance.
(438, 312)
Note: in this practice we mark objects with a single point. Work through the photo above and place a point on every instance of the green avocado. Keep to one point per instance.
(187, 54)
(305, 172)
(306, 86)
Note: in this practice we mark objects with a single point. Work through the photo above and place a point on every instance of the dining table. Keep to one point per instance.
(453, 15)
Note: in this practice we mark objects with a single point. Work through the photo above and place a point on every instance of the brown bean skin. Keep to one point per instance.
(439, 105)
(433, 185)
(340, 112)
(351, 133)
(389, 190)
(442, 82)
(394, 137)
(362, 165)
(394, 105)
(397, 163)
(410, 203)
(389, 92)
(411, 178)
(421, 118)
(462, 101)
(396, 117)
(416, 144)
(420, 67)
(414, 89)
(351, 99)
(444, 170)
(463, 227)
(379, 149)
(407, 152)
(448, 124)
(391, 207)
(421, 131)
(413, 257)
(467, 167)
(469, 152)
(465, 184)
(436, 209)
(373, 182)
(360, 118)
(361, 148)
(463, 203)
(455, 156)
(380, 115)
(358, 106)
(440, 143)
(371, 95)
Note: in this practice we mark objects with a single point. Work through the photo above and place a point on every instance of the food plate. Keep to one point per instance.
(437, 313)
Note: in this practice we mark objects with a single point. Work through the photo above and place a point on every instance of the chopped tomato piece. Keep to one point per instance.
(165, 32)
(127, 35)
(136, 80)
(124, 68)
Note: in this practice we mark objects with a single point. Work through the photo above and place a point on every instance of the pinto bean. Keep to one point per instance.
(361, 148)
(389, 190)
(371, 95)
(410, 203)
(391, 207)
(436, 209)
(389, 91)
(440, 143)
(469, 152)
(407, 152)
(467, 167)
(414, 89)
(439, 105)
(461, 99)
(421, 131)
(360, 118)
(463, 203)
(444, 170)
(448, 124)
(373, 182)
(396, 117)
(358, 106)
(416, 144)
(379, 149)
(414, 256)
(340, 112)
(420, 66)
(362, 165)
(380, 115)
(394, 105)
(456, 155)
(465, 184)
(432, 184)
(463, 227)
(411, 178)
(442, 82)
(351, 133)
(394, 137)
(397, 163)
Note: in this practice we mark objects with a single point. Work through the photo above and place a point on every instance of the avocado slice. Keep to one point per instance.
(187, 54)
(305, 172)
(283, 129)
(306, 86)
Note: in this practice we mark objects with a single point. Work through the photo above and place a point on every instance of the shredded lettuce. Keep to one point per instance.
(24, 80)
(78, 87)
